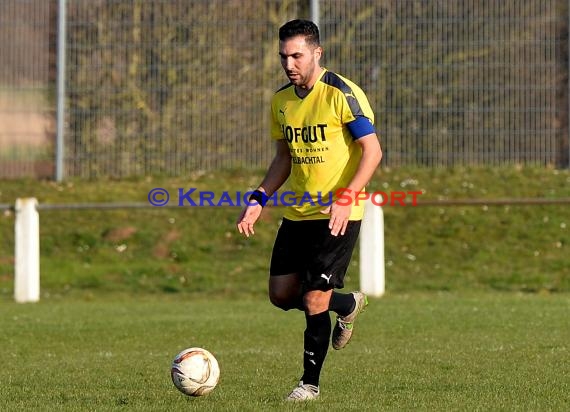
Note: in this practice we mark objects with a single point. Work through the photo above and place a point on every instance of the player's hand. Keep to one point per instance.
(339, 217)
(247, 219)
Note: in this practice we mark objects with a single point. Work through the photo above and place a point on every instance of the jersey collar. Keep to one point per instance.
(321, 74)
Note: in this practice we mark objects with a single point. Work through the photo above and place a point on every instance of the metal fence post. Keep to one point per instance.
(61, 44)
(315, 12)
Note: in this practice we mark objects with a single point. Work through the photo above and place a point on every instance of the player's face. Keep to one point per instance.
(300, 61)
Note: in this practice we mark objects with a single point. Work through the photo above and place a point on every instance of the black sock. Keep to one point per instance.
(317, 337)
(342, 303)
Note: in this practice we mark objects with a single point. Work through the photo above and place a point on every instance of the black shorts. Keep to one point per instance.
(307, 247)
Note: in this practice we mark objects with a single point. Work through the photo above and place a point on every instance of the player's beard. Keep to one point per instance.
(302, 80)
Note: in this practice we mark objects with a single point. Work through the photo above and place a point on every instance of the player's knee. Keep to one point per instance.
(316, 301)
(284, 302)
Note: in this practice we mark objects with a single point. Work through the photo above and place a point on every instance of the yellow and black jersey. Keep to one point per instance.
(321, 130)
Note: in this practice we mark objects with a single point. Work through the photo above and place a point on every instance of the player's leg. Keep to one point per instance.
(286, 291)
(332, 270)
(285, 284)
(344, 325)
(329, 259)
(315, 344)
(317, 334)
(342, 303)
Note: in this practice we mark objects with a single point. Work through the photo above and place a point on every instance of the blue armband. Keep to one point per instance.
(361, 126)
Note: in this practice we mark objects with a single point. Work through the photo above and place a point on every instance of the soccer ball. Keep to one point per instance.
(195, 372)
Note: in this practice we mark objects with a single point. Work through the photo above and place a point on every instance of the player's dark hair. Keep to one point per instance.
(300, 27)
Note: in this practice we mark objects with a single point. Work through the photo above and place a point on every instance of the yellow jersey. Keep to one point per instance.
(324, 151)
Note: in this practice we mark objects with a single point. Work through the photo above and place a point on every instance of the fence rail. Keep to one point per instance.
(163, 88)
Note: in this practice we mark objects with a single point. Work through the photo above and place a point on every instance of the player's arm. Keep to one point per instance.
(279, 170)
(371, 156)
(364, 134)
(276, 175)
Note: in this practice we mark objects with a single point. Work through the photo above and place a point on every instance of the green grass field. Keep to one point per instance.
(475, 316)
(420, 351)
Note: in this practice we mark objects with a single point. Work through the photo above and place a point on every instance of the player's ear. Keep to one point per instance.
(318, 52)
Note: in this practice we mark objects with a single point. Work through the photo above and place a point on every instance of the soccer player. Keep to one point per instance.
(325, 144)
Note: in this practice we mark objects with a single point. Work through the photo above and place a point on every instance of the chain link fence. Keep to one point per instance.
(157, 87)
